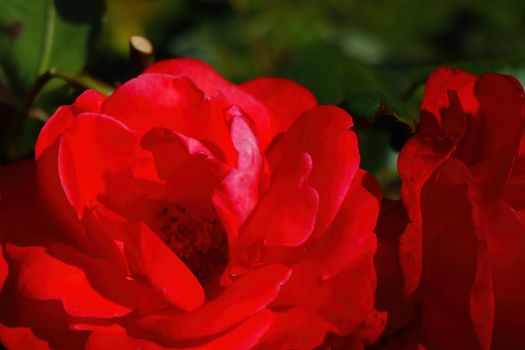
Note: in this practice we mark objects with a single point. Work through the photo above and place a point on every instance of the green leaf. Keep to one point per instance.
(41, 34)
(330, 74)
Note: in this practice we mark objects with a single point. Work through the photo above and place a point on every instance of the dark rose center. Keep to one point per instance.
(200, 242)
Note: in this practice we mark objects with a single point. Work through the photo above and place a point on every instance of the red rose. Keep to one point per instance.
(461, 254)
(185, 212)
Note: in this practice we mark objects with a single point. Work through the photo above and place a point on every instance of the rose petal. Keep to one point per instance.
(88, 101)
(298, 203)
(297, 328)
(514, 197)
(243, 337)
(338, 272)
(248, 295)
(169, 274)
(174, 154)
(212, 84)
(169, 145)
(175, 103)
(21, 338)
(373, 327)
(436, 99)
(284, 217)
(238, 194)
(111, 281)
(287, 212)
(507, 262)
(88, 154)
(4, 270)
(459, 298)
(491, 144)
(110, 340)
(350, 237)
(352, 289)
(158, 100)
(322, 132)
(43, 277)
(418, 159)
(515, 188)
(287, 99)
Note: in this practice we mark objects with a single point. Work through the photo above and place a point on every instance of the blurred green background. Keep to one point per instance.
(370, 57)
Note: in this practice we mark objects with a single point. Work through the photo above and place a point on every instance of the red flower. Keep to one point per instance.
(185, 212)
(462, 252)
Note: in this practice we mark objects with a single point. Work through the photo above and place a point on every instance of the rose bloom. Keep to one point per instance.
(462, 243)
(185, 212)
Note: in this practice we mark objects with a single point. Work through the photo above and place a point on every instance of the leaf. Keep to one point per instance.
(38, 35)
(330, 74)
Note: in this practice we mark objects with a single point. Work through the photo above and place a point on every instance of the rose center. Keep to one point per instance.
(200, 242)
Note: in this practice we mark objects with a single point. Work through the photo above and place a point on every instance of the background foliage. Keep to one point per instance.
(370, 57)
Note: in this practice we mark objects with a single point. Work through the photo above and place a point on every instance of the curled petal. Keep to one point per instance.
(169, 274)
(441, 81)
(89, 101)
(299, 203)
(287, 212)
(287, 99)
(174, 152)
(322, 132)
(238, 194)
(212, 84)
(158, 100)
(246, 296)
(88, 154)
(175, 103)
